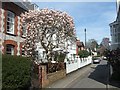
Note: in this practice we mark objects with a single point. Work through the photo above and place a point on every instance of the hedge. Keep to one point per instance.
(15, 72)
(83, 53)
(113, 58)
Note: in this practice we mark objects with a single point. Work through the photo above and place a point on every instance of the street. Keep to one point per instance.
(91, 76)
(96, 77)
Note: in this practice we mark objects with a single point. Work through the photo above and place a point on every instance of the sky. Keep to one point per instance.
(94, 16)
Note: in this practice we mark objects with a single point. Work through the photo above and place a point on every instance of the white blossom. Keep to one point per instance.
(42, 25)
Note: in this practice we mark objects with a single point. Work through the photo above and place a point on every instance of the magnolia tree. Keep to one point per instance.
(49, 28)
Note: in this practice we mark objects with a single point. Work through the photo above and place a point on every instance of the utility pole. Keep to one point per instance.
(85, 37)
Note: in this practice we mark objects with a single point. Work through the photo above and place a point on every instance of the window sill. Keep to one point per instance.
(23, 36)
(11, 34)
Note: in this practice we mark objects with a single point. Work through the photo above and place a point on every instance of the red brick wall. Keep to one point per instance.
(77, 50)
(0, 19)
(16, 24)
(21, 48)
(9, 6)
(16, 10)
(5, 23)
(48, 79)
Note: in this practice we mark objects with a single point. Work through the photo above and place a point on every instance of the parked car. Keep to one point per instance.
(96, 60)
(104, 58)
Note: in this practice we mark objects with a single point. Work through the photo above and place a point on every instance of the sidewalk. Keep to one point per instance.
(62, 83)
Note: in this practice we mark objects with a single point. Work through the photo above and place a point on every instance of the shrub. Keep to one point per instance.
(15, 72)
(60, 57)
(53, 67)
(113, 58)
(83, 53)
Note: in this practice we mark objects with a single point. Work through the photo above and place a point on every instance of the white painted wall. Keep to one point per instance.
(71, 49)
(78, 63)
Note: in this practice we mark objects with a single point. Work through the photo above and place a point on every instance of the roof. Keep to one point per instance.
(81, 44)
(19, 3)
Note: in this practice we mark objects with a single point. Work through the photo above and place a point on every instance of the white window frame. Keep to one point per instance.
(10, 20)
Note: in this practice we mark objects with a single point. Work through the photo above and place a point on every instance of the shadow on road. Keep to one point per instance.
(114, 83)
(101, 74)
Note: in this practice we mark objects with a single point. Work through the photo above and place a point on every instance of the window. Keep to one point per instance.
(24, 31)
(119, 29)
(23, 52)
(10, 22)
(10, 49)
(111, 31)
(118, 37)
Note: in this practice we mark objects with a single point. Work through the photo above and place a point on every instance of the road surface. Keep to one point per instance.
(96, 77)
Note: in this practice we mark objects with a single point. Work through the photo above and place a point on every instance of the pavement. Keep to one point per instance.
(91, 76)
(63, 83)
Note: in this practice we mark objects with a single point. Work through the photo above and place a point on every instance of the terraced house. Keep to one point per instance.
(11, 34)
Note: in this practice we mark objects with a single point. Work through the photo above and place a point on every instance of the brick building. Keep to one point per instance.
(11, 34)
(79, 46)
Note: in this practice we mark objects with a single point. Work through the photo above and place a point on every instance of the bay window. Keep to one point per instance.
(10, 22)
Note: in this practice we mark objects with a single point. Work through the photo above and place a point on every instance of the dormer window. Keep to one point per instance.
(10, 22)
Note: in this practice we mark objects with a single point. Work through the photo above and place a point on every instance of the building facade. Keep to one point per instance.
(106, 43)
(12, 36)
(79, 46)
(115, 30)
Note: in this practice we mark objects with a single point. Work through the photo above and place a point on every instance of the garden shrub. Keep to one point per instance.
(54, 67)
(113, 58)
(60, 57)
(83, 53)
(15, 72)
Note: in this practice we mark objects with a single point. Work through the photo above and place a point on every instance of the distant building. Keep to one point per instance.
(79, 46)
(106, 43)
(115, 29)
(11, 35)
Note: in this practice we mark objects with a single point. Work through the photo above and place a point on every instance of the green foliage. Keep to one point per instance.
(83, 53)
(98, 55)
(59, 56)
(115, 76)
(113, 58)
(53, 67)
(92, 44)
(15, 72)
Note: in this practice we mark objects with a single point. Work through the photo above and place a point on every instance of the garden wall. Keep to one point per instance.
(52, 72)
(51, 77)
(78, 63)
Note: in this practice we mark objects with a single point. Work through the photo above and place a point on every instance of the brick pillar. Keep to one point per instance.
(43, 79)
